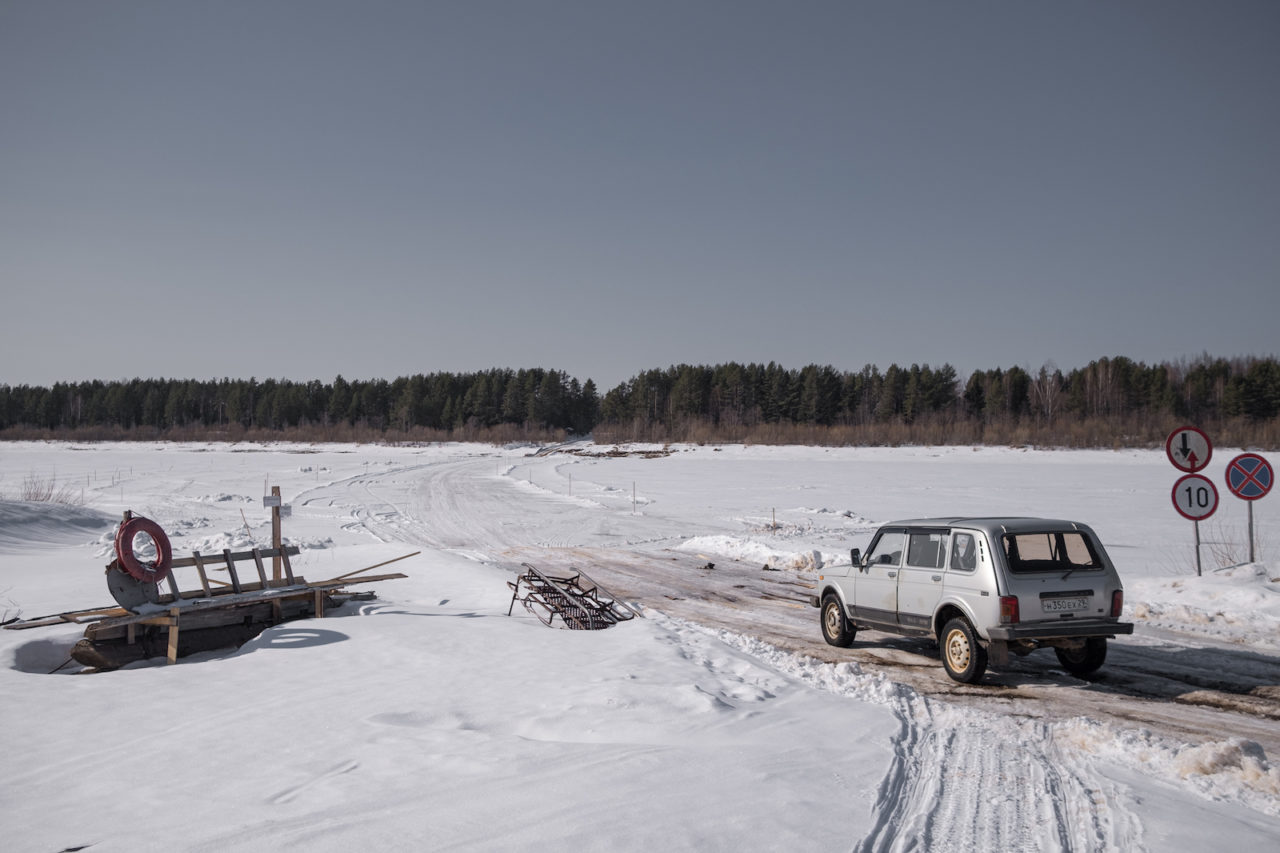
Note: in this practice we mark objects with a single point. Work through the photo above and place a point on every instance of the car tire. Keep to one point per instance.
(836, 629)
(963, 657)
(1085, 660)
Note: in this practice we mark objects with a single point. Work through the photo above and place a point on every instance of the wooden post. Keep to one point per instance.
(275, 534)
(204, 579)
(172, 655)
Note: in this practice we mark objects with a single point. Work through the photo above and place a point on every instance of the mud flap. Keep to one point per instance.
(998, 653)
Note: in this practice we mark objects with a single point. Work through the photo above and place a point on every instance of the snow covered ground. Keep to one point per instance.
(429, 719)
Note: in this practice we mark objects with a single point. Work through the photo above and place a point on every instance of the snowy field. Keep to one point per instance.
(427, 719)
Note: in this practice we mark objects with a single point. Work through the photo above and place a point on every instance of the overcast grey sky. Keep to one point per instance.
(302, 189)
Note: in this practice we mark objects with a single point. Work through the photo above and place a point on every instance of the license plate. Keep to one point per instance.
(1064, 605)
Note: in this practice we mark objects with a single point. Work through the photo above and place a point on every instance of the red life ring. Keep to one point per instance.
(146, 572)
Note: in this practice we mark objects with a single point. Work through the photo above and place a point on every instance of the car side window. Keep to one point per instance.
(964, 552)
(927, 550)
(887, 549)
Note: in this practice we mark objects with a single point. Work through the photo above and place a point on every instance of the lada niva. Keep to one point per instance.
(983, 588)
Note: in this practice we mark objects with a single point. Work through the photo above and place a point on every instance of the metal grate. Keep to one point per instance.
(578, 601)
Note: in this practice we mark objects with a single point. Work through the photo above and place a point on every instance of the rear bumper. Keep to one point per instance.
(1064, 629)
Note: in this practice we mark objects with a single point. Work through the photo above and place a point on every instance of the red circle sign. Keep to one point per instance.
(1195, 497)
(1249, 476)
(1188, 448)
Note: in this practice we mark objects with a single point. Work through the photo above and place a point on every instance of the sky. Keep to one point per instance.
(305, 188)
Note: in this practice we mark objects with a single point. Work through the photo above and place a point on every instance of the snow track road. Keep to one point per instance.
(972, 767)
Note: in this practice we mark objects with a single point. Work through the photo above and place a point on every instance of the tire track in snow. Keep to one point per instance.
(963, 780)
(463, 505)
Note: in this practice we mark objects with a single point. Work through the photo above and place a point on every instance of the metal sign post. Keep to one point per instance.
(1195, 498)
(1250, 477)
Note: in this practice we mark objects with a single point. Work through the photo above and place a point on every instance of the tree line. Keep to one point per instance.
(1111, 401)
(539, 401)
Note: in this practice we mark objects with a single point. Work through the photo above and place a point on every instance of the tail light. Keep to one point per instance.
(1117, 603)
(1009, 609)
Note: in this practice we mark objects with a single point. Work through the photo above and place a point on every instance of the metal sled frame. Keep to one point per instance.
(580, 602)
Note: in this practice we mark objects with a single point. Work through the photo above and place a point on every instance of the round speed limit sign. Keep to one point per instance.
(1195, 497)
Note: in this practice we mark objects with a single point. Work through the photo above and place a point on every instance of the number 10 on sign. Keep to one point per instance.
(1195, 497)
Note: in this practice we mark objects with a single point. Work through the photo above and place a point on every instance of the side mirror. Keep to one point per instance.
(855, 557)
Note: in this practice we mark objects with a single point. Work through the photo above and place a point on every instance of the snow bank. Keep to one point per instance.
(1238, 605)
(24, 524)
(750, 551)
(1235, 769)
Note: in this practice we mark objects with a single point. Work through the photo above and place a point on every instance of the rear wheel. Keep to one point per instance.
(1086, 659)
(963, 657)
(836, 629)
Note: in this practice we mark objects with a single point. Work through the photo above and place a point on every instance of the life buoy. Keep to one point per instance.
(147, 572)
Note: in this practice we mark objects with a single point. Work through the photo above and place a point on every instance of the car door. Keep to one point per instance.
(876, 580)
(920, 578)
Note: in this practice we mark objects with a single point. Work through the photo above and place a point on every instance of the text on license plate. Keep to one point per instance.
(1058, 605)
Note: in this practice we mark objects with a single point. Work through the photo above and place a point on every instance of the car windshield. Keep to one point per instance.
(1050, 552)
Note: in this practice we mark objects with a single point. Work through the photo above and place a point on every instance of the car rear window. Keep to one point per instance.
(1050, 552)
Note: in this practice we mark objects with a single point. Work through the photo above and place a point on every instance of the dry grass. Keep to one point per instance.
(46, 490)
(937, 430)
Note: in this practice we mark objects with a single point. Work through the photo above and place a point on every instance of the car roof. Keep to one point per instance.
(995, 525)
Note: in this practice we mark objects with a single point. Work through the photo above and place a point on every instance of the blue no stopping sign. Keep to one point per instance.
(1249, 476)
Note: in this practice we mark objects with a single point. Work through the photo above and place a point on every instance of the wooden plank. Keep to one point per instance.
(188, 562)
(173, 636)
(73, 616)
(257, 561)
(379, 565)
(173, 583)
(288, 568)
(204, 579)
(339, 582)
(231, 568)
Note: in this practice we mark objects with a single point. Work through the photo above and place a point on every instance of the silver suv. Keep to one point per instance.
(982, 587)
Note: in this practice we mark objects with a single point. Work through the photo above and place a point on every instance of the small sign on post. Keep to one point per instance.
(1194, 497)
(1188, 448)
(1250, 477)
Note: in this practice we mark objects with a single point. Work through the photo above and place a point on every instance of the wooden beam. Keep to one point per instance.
(231, 568)
(173, 635)
(257, 561)
(204, 579)
(74, 616)
(378, 565)
(188, 562)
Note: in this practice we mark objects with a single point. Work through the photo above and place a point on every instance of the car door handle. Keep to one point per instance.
(937, 577)
(893, 574)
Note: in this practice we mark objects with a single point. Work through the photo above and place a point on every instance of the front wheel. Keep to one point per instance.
(1086, 659)
(836, 629)
(963, 657)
